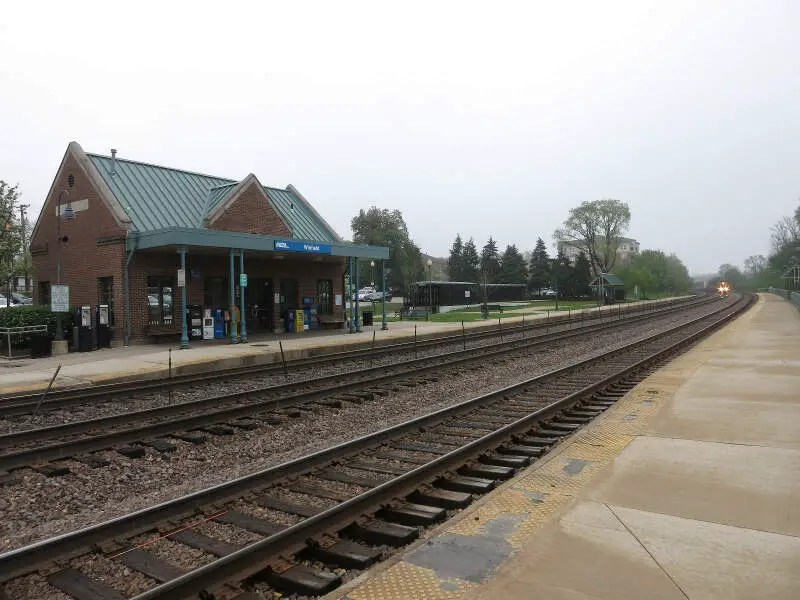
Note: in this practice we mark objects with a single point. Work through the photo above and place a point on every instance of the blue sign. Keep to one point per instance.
(291, 246)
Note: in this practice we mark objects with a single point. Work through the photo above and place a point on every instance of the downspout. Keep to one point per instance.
(127, 290)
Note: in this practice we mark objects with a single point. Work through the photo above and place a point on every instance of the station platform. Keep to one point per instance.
(687, 488)
(148, 361)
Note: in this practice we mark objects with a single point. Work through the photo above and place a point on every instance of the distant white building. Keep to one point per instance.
(628, 248)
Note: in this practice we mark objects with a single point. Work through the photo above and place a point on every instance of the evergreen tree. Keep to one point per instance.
(539, 269)
(490, 261)
(513, 268)
(455, 264)
(561, 276)
(582, 276)
(471, 262)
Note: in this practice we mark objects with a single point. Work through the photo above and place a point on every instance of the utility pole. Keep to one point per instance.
(22, 208)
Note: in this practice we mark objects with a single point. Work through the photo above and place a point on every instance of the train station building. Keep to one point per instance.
(145, 240)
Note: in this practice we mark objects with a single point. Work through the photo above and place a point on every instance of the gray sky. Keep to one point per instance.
(484, 118)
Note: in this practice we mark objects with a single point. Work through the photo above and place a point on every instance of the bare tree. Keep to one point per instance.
(785, 231)
(596, 228)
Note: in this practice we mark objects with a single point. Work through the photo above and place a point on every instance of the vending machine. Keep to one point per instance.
(103, 328)
(85, 334)
(208, 325)
(219, 323)
(194, 321)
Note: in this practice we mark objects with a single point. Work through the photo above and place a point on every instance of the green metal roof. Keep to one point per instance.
(218, 195)
(156, 197)
(610, 280)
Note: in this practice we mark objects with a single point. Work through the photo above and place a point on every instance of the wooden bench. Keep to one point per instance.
(413, 313)
(326, 321)
(162, 331)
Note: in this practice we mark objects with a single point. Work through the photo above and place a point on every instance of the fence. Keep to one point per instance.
(18, 340)
(793, 297)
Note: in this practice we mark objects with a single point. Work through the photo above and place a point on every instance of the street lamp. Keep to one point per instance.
(430, 284)
(69, 214)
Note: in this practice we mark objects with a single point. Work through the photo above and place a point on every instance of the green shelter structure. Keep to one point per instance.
(609, 287)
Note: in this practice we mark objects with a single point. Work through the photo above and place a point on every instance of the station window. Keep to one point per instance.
(325, 295)
(44, 293)
(105, 295)
(159, 300)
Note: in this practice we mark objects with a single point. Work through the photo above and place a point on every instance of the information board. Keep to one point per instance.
(59, 298)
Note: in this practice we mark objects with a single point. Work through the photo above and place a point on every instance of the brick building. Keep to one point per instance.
(126, 228)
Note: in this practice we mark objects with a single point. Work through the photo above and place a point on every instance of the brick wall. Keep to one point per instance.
(95, 246)
(251, 212)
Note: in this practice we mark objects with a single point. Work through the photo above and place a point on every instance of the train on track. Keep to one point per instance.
(723, 289)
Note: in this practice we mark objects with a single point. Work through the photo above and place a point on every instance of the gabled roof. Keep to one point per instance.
(157, 197)
(609, 279)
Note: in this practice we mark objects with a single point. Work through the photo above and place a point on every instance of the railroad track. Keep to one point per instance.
(223, 414)
(24, 404)
(344, 506)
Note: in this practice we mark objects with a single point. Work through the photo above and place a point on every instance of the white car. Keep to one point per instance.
(365, 292)
(3, 301)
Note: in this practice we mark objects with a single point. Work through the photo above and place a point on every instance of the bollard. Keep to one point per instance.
(415, 340)
(372, 355)
(500, 326)
(463, 335)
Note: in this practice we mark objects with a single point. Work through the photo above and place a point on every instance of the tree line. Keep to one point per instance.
(773, 270)
(14, 256)
(593, 229)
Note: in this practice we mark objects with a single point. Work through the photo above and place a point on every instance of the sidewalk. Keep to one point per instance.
(689, 487)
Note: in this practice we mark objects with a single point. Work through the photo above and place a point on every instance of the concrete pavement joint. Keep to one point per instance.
(655, 560)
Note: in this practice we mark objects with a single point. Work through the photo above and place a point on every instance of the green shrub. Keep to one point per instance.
(26, 316)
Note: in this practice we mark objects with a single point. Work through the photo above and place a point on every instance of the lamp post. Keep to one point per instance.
(68, 214)
(430, 285)
(371, 269)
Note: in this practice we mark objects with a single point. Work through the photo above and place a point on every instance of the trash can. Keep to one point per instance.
(366, 317)
(41, 344)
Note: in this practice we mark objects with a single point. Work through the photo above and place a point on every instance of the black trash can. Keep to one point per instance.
(366, 317)
(41, 344)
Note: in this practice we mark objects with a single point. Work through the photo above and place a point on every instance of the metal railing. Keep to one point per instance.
(9, 333)
(791, 296)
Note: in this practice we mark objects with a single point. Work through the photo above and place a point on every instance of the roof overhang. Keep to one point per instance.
(212, 238)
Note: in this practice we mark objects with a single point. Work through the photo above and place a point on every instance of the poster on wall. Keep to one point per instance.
(338, 300)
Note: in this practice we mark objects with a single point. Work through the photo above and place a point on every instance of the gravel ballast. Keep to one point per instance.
(40, 507)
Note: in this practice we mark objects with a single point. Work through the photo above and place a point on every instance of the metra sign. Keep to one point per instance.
(291, 246)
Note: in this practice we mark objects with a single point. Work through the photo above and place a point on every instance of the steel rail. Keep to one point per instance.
(166, 423)
(21, 404)
(24, 560)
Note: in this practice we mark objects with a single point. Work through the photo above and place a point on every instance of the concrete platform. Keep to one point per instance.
(689, 487)
(148, 361)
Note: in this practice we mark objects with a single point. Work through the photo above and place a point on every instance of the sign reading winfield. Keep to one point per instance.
(293, 246)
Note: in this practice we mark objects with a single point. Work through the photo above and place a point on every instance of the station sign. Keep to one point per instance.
(308, 248)
(59, 298)
(242, 279)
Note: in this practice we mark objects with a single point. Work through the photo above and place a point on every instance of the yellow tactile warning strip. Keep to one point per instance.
(456, 558)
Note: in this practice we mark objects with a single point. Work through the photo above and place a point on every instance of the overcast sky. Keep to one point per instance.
(485, 118)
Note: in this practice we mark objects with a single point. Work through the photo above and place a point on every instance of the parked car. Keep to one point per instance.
(364, 292)
(3, 301)
(378, 296)
(20, 299)
(548, 293)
